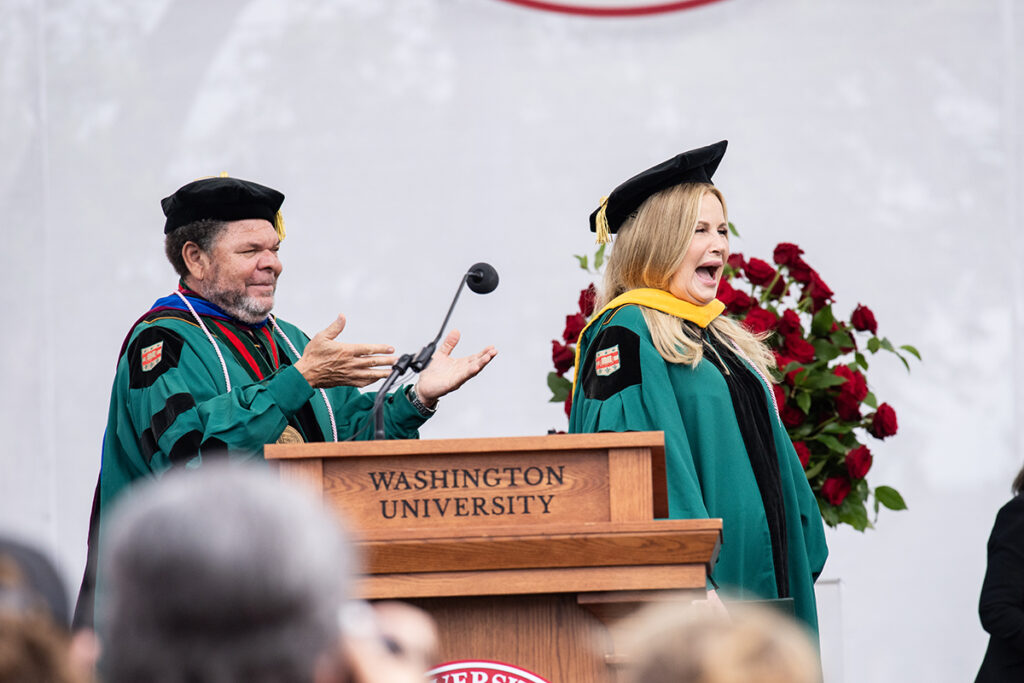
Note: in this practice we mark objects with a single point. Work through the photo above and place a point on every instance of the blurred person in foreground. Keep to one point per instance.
(1001, 606)
(209, 369)
(669, 644)
(228, 575)
(35, 644)
(658, 355)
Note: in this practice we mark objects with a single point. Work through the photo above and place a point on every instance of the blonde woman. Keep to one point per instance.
(670, 644)
(660, 356)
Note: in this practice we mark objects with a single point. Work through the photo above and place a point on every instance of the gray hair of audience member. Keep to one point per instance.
(219, 575)
(684, 644)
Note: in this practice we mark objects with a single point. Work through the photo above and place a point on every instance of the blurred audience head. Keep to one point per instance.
(221, 575)
(684, 644)
(34, 617)
(408, 634)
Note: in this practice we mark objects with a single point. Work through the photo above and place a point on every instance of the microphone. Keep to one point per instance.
(481, 278)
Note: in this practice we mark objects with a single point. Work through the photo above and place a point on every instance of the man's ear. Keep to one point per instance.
(196, 260)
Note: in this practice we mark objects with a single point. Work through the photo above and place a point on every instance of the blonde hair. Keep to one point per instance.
(669, 643)
(649, 249)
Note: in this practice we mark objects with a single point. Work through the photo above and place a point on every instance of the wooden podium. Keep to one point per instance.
(524, 549)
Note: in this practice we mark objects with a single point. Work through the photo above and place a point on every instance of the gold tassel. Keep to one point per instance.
(279, 225)
(222, 174)
(604, 235)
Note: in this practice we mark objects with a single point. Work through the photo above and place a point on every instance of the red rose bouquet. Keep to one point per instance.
(823, 395)
(563, 352)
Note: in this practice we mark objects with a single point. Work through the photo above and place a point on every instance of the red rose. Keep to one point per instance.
(800, 349)
(858, 462)
(760, 320)
(818, 291)
(800, 271)
(736, 262)
(883, 423)
(835, 489)
(562, 356)
(792, 416)
(759, 272)
(779, 289)
(786, 254)
(574, 324)
(789, 323)
(735, 300)
(780, 395)
(741, 301)
(855, 384)
(803, 453)
(568, 406)
(864, 320)
(781, 361)
(848, 406)
(587, 298)
(726, 293)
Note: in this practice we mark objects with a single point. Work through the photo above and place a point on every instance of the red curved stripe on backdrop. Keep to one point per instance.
(610, 11)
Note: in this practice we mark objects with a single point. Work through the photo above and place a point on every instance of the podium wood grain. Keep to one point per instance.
(524, 549)
(549, 635)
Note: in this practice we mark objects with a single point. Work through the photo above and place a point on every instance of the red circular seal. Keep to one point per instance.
(481, 671)
(618, 8)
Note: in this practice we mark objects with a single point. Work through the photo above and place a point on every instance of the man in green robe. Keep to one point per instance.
(208, 371)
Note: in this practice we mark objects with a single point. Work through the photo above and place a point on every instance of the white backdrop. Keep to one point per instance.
(415, 137)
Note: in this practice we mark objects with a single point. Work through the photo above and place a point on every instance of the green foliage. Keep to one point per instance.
(822, 321)
(890, 498)
(560, 387)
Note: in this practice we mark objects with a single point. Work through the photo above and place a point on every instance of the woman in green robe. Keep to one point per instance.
(660, 356)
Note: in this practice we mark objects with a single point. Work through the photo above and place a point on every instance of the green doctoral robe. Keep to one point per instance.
(623, 384)
(170, 407)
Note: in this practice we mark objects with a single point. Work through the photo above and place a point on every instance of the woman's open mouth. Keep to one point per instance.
(708, 274)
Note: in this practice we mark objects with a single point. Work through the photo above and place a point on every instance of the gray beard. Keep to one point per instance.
(244, 308)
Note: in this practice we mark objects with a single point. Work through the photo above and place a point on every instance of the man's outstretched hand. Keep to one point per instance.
(328, 363)
(446, 374)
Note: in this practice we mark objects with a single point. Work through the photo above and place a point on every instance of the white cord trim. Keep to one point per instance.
(223, 365)
(323, 394)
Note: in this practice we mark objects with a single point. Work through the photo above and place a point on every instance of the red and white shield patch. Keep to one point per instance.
(607, 360)
(151, 355)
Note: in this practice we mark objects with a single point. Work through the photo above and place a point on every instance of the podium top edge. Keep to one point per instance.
(506, 444)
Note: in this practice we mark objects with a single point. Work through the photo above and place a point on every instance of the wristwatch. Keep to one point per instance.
(414, 399)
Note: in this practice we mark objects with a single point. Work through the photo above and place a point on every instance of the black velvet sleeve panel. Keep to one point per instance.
(158, 344)
(612, 363)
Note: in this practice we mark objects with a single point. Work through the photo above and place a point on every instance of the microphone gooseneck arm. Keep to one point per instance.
(397, 370)
(422, 359)
(482, 279)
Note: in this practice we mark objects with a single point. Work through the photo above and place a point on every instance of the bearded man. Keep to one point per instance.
(208, 370)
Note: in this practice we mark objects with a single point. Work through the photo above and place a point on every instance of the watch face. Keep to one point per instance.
(610, 8)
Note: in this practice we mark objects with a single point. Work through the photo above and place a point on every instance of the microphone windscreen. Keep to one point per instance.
(482, 278)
